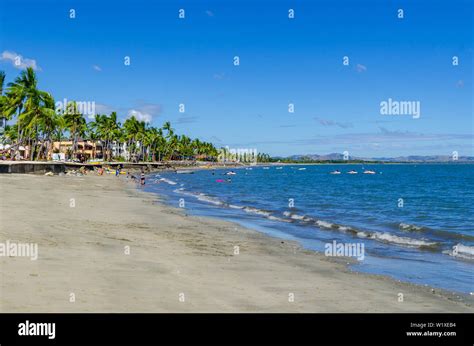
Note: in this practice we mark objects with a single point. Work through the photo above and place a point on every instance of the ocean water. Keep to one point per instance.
(416, 222)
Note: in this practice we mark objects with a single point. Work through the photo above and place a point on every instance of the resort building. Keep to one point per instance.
(86, 150)
(119, 150)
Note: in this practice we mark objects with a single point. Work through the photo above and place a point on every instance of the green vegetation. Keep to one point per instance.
(38, 125)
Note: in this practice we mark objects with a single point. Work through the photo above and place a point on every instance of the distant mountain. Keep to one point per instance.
(411, 158)
(315, 157)
(427, 158)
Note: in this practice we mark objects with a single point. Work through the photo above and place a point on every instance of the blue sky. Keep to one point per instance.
(282, 61)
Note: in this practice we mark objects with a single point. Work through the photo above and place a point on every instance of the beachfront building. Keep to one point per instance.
(85, 150)
(15, 152)
(120, 150)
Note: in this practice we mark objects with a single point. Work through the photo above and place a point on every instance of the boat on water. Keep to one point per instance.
(352, 172)
(335, 172)
(186, 171)
(279, 168)
(230, 173)
(302, 169)
(369, 172)
(266, 167)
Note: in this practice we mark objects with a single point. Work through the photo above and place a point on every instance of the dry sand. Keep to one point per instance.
(172, 255)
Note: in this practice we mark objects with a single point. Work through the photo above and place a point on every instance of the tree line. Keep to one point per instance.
(39, 124)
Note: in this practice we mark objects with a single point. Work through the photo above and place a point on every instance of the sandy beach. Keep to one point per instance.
(115, 248)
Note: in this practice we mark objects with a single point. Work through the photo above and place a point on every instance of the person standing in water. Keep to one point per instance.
(142, 178)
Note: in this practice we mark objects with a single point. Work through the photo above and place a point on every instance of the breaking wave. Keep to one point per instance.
(288, 216)
(461, 251)
(410, 228)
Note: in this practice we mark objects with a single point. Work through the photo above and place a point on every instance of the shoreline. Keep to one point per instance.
(430, 261)
(81, 250)
(40, 167)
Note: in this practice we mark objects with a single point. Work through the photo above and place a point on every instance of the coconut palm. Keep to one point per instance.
(75, 123)
(168, 129)
(47, 122)
(25, 100)
(59, 128)
(3, 100)
(37, 125)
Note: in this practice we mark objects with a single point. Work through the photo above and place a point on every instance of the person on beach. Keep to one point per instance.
(142, 178)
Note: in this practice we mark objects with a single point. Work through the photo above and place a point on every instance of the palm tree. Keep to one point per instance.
(133, 129)
(171, 147)
(24, 99)
(3, 100)
(171, 140)
(35, 108)
(114, 132)
(184, 146)
(110, 132)
(37, 124)
(108, 129)
(47, 123)
(59, 128)
(11, 133)
(75, 123)
(168, 129)
(154, 141)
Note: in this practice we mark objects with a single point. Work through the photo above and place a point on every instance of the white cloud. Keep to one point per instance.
(153, 109)
(97, 68)
(327, 122)
(18, 61)
(104, 109)
(141, 116)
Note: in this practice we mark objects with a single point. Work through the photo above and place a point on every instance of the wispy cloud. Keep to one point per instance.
(219, 76)
(154, 109)
(97, 68)
(383, 142)
(209, 13)
(386, 136)
(216, 139)
(361, 68)
(105, 109)
(187, 120)
(18, 61)
(327, 122)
